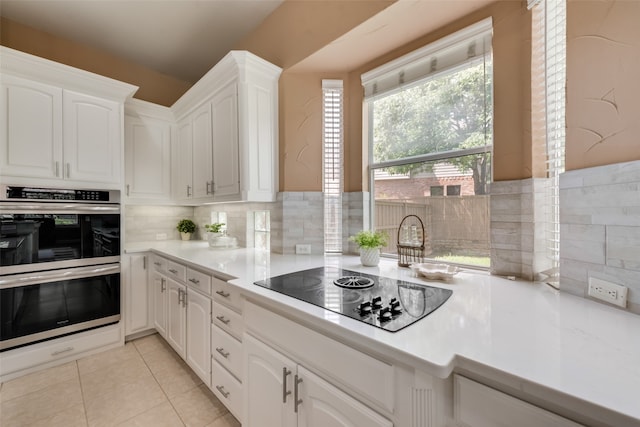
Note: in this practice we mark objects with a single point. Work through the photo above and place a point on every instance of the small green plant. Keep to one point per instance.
(216, 227)
(370, 239)
(186, 226)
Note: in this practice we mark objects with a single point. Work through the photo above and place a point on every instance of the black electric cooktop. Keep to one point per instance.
(386, 303)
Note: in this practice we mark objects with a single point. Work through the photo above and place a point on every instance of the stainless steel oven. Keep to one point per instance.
(59, 262)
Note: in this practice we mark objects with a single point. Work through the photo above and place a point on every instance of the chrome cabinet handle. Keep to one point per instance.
(188, 191)
(285, 373)
(194, 281)
(208, 191)
(144, 262)
(296, 401)
(222, 392)
(68, 170)
(57, 169)
(224, 354)
(223, 320)
(223, 294)
(173, 271)
(163, 286)
(180, 296)
(64, 350)
(127, 189)
(157, 264)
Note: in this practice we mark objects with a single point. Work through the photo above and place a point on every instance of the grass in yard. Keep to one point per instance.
(463, 259)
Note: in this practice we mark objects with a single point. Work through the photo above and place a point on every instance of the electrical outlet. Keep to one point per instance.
(607, 291)
(303, 249)
(161, 236)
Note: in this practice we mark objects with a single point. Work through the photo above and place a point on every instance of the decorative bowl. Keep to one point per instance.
(432, 271)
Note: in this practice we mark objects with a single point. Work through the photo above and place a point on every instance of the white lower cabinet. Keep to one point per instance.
(176, 317)
(158, 284)
(138, 307)
(198, 354)
(280, 392)
(476, 405)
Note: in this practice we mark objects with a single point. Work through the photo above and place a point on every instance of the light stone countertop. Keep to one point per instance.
(534, 336)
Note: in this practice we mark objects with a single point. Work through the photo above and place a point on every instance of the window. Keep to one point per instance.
(430, 121)
(262, 230)
(332, 136)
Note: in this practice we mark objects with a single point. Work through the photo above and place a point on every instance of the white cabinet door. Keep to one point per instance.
(183, 153)
(199, 335)
(322, 404)
(30, 129)
(226, 174)
(159, 296)
(268, 386)
(138, 310)
(202, 157)
(92, 137)
(176, 316)
(147, 158)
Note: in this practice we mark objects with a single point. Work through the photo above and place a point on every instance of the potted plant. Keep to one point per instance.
(186, 227)
(214, 232)
(370, 243)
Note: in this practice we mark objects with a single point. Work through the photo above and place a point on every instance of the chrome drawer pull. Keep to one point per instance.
(173, 271)
(64, 350)
(285, 373)
(194, 281)
(223, 320)
(222, 392)
(296, 401)
(223, 294)
(156, 263)
(222, 352)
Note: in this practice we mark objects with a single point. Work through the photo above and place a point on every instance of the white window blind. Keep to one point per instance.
(332, 137)
(549, 20)
(445, 54)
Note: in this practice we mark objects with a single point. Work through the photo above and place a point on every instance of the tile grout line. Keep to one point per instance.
(158, 382)
(84, 403)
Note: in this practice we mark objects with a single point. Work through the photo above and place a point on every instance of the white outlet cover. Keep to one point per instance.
(608, 291)
(303, 249)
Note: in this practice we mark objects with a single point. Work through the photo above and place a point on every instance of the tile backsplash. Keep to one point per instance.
(143, 223)
(600, 228)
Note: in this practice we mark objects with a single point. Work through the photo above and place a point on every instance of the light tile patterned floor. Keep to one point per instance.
(144, 383)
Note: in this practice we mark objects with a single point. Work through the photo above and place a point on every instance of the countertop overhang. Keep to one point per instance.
(538, 337)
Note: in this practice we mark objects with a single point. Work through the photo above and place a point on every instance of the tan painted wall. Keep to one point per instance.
(603, 83)
(154, 87)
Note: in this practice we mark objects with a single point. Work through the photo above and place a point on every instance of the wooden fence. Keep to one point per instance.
(457, 225)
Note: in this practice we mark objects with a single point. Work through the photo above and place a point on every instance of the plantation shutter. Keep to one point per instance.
(332, 137)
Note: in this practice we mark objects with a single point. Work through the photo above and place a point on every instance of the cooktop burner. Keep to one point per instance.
(386, 303)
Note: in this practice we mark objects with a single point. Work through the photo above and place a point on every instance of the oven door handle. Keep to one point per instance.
(53, 208)
(37, 277)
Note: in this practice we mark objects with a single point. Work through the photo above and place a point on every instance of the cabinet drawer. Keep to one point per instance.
(199, 281)
(176, 271)
(227, 350)
(228, 320)
(476, 405)
(227, 294)
(227, 389)
(159, 264)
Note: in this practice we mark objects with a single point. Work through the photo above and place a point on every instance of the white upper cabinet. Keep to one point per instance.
(147, 158)
(59, 123)
(230, 119)
(92, 138)
(31, 123)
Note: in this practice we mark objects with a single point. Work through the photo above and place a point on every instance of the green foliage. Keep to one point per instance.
(216, 227)
(446, 113)
(370, 239)
(186, 226)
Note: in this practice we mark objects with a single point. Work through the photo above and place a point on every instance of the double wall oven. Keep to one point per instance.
(59, 262)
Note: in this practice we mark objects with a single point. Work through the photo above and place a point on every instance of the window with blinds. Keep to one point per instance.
(549, 32)
(332, 185)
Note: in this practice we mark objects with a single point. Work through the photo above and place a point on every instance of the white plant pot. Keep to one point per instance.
(370, 257)
(185, 236)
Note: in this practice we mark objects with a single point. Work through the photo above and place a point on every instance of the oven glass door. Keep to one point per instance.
(35, 307)
(57, 236)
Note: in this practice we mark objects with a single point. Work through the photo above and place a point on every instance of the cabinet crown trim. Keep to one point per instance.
(44, 70)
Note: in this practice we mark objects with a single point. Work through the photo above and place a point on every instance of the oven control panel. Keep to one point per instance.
(33, 193)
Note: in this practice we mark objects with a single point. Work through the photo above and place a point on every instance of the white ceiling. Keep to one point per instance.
(180, 38)
(185, 38)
